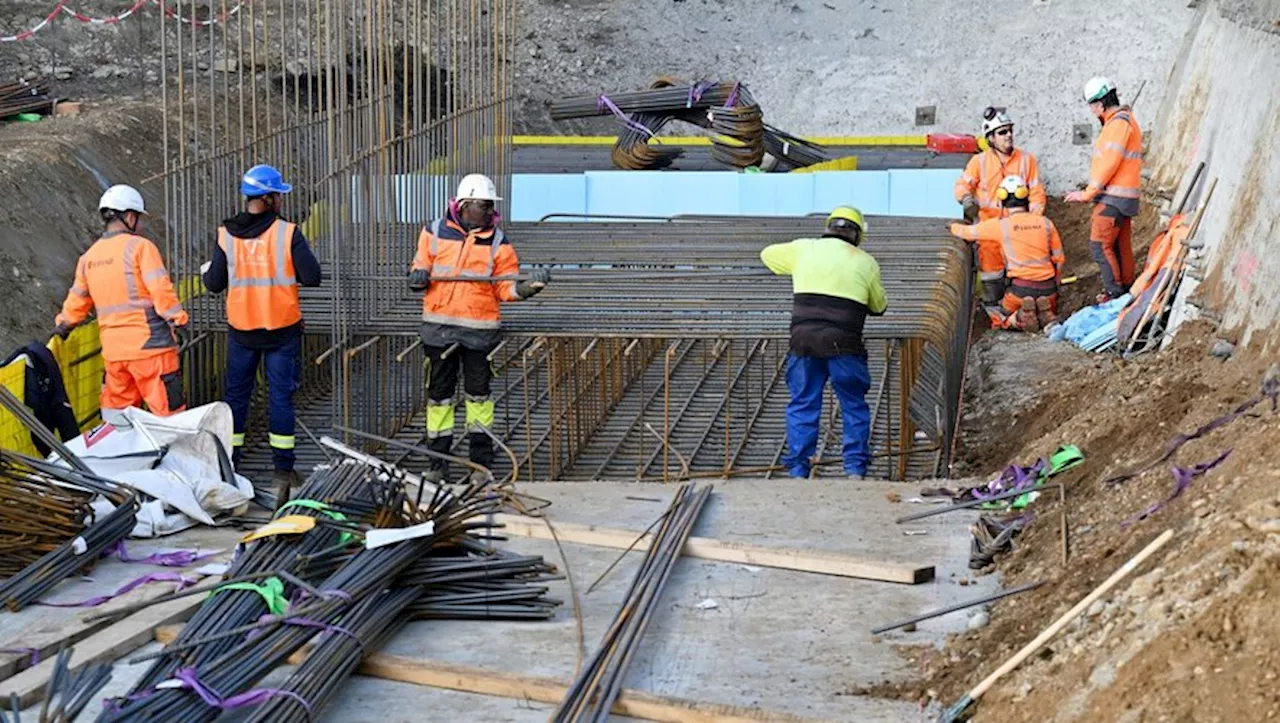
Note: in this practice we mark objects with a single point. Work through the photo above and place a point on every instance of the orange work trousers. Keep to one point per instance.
(155, 380)
(1111, 245)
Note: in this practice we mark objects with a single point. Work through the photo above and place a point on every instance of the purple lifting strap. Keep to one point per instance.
(257, 696)
(174, 558)
(182, 580)
(1181, 481)
(34, 653)
(603, 103)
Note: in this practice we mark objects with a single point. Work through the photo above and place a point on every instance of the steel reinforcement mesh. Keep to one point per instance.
(655, 353)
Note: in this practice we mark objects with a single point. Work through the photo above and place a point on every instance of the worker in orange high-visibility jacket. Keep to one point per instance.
(1032, 254)
(1115, 183)
(123, 279)
(975, 190)
(260, 259)
(462, 320)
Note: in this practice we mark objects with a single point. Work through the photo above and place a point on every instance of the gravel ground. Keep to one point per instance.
(828, 67)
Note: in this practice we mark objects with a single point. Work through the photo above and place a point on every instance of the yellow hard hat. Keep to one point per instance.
(847, 214)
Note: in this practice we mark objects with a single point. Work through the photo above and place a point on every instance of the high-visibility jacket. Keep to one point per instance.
(835, 285)
(1031, 246)
(987, 169)
(262, 288)
(445, 249)
(1115, 174)
(123, 278)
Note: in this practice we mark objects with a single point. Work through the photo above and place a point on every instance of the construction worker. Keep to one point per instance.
(975, 190)
(835, 285)
(461, 320)
(1032, 253)
(140, 320)
(260, 259)
(1115, 181)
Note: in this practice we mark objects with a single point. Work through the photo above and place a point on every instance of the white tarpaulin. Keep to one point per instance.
(181, 461)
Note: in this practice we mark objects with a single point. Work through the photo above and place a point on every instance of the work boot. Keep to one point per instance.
(1027, 320)
(1044, 312)
(284, 480)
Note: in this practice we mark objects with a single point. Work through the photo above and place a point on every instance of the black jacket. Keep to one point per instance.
(44, 392)
(305, 266)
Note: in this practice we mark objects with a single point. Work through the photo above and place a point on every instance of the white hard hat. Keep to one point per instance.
(1013, 187)
(477, 187)
(996, 122)
(1096, 88)
(122, 198)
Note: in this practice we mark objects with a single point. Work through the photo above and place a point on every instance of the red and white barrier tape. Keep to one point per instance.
(61, 8)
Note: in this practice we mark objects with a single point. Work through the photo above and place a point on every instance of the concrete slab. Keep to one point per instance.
(775, 639)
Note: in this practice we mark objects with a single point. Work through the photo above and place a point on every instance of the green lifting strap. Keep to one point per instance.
(322, 508)
(271, 590)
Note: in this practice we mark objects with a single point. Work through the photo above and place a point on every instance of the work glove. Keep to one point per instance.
(62, 331)
(419, 280)
(538, 280)
(182, 333)
(970, 207)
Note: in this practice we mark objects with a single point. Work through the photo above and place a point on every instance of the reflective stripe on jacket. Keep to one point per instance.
(1031, 245)
(984, 173)
(1115, 174)
(123, 278)
(262, 290)
(445, 249)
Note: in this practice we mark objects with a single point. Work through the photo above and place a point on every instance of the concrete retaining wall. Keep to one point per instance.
(1222, 106)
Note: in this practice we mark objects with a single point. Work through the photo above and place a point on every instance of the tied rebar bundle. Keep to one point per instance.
(337, 497)
(25, 97)
(37, 514)
(725, 108)
(592, 695)
(202, 690)
(30, 481)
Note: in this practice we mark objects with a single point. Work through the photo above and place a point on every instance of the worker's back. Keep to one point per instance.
(1032, 247)
(835, 285)
(117, 270)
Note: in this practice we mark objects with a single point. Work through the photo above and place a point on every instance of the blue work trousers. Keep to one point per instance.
(806, 378)
(283, 372)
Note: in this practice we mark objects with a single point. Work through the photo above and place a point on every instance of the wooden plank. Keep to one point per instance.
(113, 642)
(467, 679)
(706, 548)
(51, 636)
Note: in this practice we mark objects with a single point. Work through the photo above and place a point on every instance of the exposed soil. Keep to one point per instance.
(1188, 636)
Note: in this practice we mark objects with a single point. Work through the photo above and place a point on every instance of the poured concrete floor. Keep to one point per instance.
(778, 640)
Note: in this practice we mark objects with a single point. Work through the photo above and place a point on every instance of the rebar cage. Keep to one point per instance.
(374, 109)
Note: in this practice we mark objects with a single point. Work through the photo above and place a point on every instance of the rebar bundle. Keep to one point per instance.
(78, 551)
(25, 97)
(594, 690)
(37, 514)
(341, 495)
(726, 108)
(67, 693)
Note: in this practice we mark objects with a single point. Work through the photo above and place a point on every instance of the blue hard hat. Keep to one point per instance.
(261, 180)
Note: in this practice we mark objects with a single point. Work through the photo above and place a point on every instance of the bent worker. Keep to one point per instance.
(1033, 257)
(975, 190)
(835, 285)
(1115, 181)
(260, 259)
(461, 320)
(140, 319)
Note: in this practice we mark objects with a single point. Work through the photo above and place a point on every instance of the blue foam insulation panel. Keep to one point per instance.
(908, 192)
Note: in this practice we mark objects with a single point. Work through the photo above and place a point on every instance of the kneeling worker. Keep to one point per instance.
(835, 285)
(466, 241)
(1033, 257)
(122, 277)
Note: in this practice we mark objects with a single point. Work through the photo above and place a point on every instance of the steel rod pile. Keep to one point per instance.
(725, 108)
(78, 551)
(482, 586)
(594, 690)
(25, 97)
(36, 514)
(342, 493)
(67, 693)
